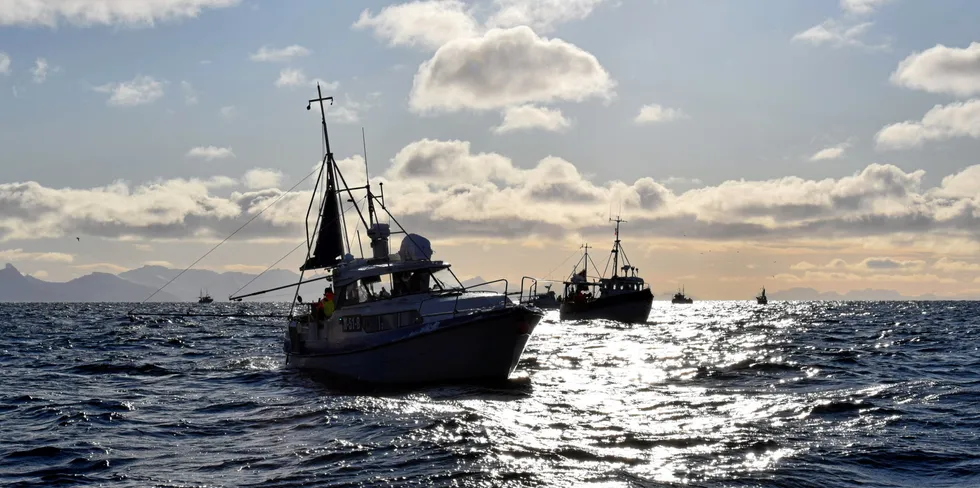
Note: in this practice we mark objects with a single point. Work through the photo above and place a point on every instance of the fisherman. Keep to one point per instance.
(384, 293)
(328, 303)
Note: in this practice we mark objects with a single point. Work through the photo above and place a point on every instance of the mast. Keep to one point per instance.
(330, 235)
(585, 261)
(615, 250)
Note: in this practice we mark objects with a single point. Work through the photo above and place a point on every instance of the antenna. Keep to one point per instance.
(367, 178)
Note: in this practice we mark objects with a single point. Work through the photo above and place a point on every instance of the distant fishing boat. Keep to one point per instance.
(396, 317)
(204, 297)
(681, 298)
(623, 298)
(545, 301)
(761, 299)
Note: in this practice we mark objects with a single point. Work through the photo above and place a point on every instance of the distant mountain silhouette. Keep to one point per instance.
(220, 285)
(95, 287)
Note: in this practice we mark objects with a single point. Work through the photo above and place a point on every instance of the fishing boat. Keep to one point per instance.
(622, 297)
(681, 298)
(204, 297)
(761, 299)
(397, 317)
(545, 301)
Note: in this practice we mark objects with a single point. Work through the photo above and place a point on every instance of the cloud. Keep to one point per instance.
(507, 67)
(837, 34)
(941, 69)
(272, 55)
(243, 268)
(190, 95)
(210, 153)
(835, 152)
(942, 122)
(101, 267)
(228, 111)
(4, 63)
(164, 264)
(40, 70)
(526, 117)
(655, 113)
(540, 15)
(258, 178)
(448, 189)
(141, 90)
(18, 255)
(450, 161)
(861, 7)
(134, 13)
(952, 266)
(291, 77)
(426, 24)
(867, 265)
(965, 184)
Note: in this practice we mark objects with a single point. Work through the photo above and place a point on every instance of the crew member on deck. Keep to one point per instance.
(328, 304)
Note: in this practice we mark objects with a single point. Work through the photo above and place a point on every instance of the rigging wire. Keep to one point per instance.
(315, 272)
(562, 263)
(267, 269)
(223, 241)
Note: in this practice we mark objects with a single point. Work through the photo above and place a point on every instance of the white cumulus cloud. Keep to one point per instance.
(427, 24)
(291, 78)
(507, 67)
(540, 15)
(259, 178)
(4, 63)
(19, 255)
(133, 13)
(861, 7)
(141, 90)
(40, 70)
(527, 117)
(654, 113)
(941, 69)
(210, 153)
(942, 122)
(271, 54)
(835, 152)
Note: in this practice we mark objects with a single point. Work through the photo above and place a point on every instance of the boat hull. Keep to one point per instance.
(479, 346)
(627, 307)
(687, 301)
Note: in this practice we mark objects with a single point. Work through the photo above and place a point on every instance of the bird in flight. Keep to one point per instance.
(79, 239)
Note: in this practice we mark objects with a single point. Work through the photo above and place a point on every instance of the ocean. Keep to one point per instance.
(793, 394)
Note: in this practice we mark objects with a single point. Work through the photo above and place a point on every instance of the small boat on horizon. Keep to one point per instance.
(762, 299)
(545, 301)
(681, 298)
(204, 297)
(623, 298)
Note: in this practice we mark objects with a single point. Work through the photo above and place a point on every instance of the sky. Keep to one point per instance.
(825, 144)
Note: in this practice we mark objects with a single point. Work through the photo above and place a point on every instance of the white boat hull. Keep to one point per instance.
(480, 346)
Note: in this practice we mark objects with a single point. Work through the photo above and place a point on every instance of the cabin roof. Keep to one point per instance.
(347, 275)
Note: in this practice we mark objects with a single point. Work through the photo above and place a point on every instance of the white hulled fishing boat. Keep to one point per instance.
(397, 317)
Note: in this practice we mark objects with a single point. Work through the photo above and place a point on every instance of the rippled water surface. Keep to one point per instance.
(710, 394)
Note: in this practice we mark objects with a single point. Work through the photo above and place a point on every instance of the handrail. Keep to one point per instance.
(459, 292)
(532, 289)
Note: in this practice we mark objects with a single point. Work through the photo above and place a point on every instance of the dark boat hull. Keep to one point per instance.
(485, 346)
(686, 301)
(628, 307)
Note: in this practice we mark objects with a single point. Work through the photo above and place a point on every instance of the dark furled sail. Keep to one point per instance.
(329, 240)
